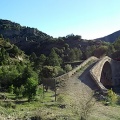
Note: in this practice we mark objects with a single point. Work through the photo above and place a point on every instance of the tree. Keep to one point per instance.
(78, 53)
(51, 71)
(66, 46)
(19, 91)
(15, 50)
(20, 67)
(68, 67)
(7, 76)
(33, 57)
(117, 44)
(72, 56)
(31, 88)
(48, 72)
(28, 73)
(22, 89)
(11, 89)
(89, 51)
(101, 51)
(111, 50)
(54, 59)
(40, 61)
(16, 91)
(3, 56)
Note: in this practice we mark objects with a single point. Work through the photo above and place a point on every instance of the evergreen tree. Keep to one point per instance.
(31, 88)
(78, 53)
(40, 61)
(49, 72)
(33, 57)
(72, 56)
(15, 50)
(54, 59)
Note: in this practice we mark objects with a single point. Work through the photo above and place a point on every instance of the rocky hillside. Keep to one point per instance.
(32, 40)
(17, 33)
(10, 53)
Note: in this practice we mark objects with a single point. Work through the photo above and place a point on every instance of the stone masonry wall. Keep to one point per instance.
(59, 79)
(96, 70)
(69, 74)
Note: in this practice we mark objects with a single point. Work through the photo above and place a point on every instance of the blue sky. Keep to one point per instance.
(88, 18)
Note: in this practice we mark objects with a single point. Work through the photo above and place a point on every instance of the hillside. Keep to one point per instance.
(32, 40)
(44, 84)
(110, 38)
(24, 37)
(10, 53)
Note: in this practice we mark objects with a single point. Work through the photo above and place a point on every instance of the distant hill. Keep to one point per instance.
(26, 38)
(10, 53)
(32, 40)
(17, 33)
(110, 38)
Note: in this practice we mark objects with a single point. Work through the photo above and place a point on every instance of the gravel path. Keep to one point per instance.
(79, 88)
(79, 82)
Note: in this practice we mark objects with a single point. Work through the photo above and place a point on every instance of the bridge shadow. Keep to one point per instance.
(86, 78)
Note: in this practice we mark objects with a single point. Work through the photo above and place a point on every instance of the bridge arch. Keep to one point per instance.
(100, 74)
(106, 75)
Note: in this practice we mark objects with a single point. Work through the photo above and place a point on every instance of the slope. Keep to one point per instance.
(110, 38)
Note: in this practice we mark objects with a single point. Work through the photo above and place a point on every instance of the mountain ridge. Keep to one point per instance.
(111, 37)
(33, 40)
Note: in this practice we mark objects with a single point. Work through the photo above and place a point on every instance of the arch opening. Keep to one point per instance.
(106, 76)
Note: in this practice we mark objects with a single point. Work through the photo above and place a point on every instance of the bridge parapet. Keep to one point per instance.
(96, 70)
(48, 81)
(72, 72)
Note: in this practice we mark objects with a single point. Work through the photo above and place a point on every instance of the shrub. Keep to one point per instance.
(118, 100)
(9, 105)
(112, 97)
(68, 67)
(11, 89)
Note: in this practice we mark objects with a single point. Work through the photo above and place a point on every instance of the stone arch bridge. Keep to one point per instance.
(106, 73)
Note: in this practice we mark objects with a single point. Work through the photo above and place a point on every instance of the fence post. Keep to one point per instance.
(55, 89)
(43, 91)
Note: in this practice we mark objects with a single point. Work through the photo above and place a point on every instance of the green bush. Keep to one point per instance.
(9, 105)
(68, 67)
(112, 98)
(118, 101)
(11, 89)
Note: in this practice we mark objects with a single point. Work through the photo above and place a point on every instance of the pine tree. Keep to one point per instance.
(72, 56)
(33, 57)
(54, 59)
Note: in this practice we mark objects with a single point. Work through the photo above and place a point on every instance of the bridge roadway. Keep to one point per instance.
(80, 85)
